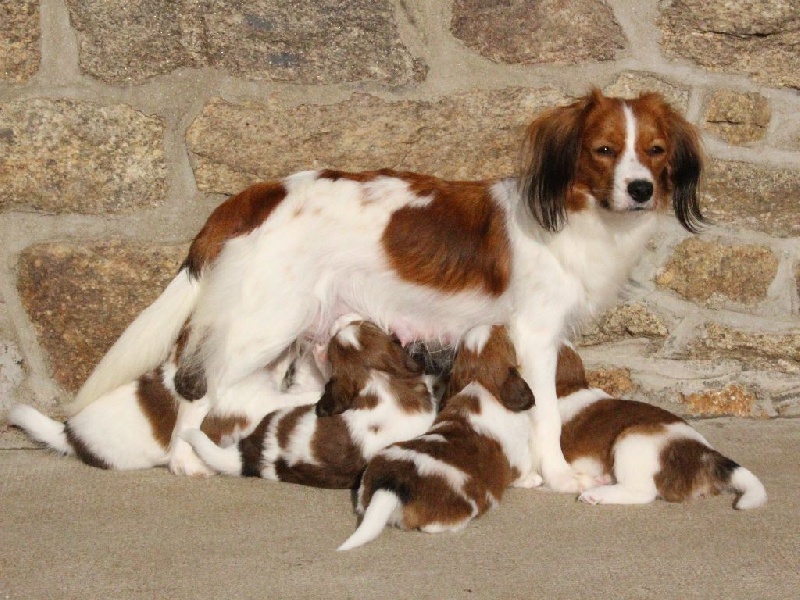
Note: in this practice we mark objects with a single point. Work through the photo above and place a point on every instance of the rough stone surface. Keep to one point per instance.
(616, 382)
(12, 372)
(632, 83)
(733, 400)
(737, 118)
(301, 41)
(751, 196)
(623, 322)
(756, 37)
(471, 135)
(538, 31)
(708, 271)
(756, 349)
(19, 40)
(64, 156)
(81, 298)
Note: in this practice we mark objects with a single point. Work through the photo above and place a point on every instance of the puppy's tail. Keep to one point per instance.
(145, 343)
(379, 511)
(728, 475)
(223, 460)
(41, 428)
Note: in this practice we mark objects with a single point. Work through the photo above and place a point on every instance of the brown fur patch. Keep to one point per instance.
(237, 216)
(218, 426)
(158, 405)
(288, 424)
(594, 430)
(690, 469)
(252, 448)
(457, 242)
(82, 451)
(570, 373)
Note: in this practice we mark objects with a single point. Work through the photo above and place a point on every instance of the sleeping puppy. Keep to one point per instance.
(631, 452)
(476, 448)
(377, 395)
(132, 426)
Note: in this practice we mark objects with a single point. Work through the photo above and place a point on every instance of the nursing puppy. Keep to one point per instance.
(476, 448)
(377, 395)
(132, 426)
(631, 452)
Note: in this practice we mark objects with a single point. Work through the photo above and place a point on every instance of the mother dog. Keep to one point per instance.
(424, 258)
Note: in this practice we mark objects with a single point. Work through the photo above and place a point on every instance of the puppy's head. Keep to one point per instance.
(356, 349)
(486, 356)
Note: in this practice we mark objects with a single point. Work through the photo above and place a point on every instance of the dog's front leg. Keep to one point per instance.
(537, 352)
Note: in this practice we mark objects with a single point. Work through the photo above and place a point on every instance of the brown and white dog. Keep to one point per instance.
(425, 258)
(477, 447)
(377, 395)
(631, 452)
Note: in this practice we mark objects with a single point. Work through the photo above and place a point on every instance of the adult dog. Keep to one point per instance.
(424, 258)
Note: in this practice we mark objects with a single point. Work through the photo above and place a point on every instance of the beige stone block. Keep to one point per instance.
(632, 83)
(737, 117)
(19, 40)
(81, 297)
(616, 382)
(732, 400)
(62, 156)
(535, 32)
(471, 135)
(774, 351)
(707, 271)
(295, 41)
(755, 37)
(625, 321)
(751, 196)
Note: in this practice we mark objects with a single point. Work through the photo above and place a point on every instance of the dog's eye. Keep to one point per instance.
(605, 151)
(655, 150)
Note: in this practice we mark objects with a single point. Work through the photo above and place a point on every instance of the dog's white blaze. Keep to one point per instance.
(629, 166)
(427, 465)
(374, 429)
(349, 337)
(476, 338)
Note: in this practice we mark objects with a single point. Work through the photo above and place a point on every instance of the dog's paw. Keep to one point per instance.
(531, 480)
(563, 480)
(183, 461)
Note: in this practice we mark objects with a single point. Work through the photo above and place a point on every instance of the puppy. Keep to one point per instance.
(132, 426)
(377, 395)
(630, 452)
(476, 448)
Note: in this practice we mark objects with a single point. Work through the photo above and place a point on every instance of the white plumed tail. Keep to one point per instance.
(40, 427)
(145, 344)
(381, 506)
(751, 489)
(227, 461)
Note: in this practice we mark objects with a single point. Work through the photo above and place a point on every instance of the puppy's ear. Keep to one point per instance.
(337, 397)
(550, 159)
(515, 394)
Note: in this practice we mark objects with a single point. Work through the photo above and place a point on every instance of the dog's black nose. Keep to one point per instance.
(640, 190)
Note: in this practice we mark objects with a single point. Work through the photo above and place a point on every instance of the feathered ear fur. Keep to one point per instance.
(686, 167)
(550, 158)
(515, 394)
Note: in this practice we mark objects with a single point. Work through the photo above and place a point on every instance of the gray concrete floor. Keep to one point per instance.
(71, 531)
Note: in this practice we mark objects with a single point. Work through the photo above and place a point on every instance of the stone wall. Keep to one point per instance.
(124, 122)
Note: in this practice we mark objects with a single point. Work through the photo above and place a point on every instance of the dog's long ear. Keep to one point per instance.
(337, 397)
(550, 158)
(686, 168)
(515, 394)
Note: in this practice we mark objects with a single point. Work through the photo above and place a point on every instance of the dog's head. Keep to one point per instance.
(356, 349)
(487, 356)
(612, 154)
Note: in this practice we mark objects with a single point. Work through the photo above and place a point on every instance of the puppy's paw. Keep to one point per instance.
(183, 460)
(588, 497)
(563, 480)
(531, 480)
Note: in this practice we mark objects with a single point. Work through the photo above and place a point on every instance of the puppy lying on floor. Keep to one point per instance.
(377, 395)
(477, 447)
(631, 452)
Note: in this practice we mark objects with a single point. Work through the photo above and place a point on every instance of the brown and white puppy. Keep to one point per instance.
(476, 448)
(631, 452)
(377, 395)
(132, 426)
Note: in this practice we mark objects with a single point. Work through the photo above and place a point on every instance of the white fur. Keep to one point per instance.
(629, 167)
(227, 461)
(40, 427)
(382, 510)
(751, 489)
(319, 256)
